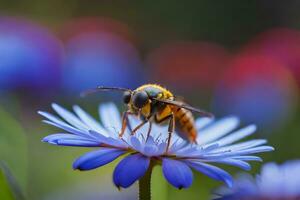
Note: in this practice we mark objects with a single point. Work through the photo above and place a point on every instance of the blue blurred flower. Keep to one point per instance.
(30, 56)
(215, 145)
(100, 59)
(274, 182)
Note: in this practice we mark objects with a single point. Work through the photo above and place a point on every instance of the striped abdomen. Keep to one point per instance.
(185, 123)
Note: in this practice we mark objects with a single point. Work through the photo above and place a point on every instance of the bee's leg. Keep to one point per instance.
(125, 123)
(149, 130)
(171, 129)
(138, 127)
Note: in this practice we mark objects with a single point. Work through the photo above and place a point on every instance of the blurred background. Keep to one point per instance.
(227, 57)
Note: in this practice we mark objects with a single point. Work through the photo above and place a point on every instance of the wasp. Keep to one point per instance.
(154, 103)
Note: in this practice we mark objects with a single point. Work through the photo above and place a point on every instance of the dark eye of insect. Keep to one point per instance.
(140, 99)
(126, 97)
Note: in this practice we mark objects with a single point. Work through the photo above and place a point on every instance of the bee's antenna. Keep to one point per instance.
(102, 88)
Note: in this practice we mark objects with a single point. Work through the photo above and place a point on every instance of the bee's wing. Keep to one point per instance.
(185, 106)
(180, 99)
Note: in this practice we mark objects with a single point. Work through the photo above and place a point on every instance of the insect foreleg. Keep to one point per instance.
(125, 122)
(138, 127)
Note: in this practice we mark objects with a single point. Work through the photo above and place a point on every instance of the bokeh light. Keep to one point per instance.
(281, 44)
(187, 65)
(100, 55)
(30, 56)
(258, 89)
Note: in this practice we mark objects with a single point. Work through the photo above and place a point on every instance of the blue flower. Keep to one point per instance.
(274, 182)
(215, 145)
(31, 56)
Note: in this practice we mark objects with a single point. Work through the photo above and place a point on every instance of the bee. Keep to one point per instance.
(154, 103)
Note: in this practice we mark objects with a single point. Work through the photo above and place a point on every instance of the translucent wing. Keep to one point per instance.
(185, 106)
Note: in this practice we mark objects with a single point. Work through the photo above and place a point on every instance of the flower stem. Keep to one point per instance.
(145, 185)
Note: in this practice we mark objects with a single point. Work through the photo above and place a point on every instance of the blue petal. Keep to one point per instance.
(68, 128)
(65, 139)
(203, 122)
(188, 150)
(130, 169)
(89, 121)
(253, 150)
(98, 158)
(242, 145)
(177, 173)
(233, 162)
(161, 148)
(77, 143)
(150, 148)
(217, 130)
(135, 143)
(248, 158)
(52, 118)
(210, 147)
(110, 116)
(54, 137)
(178, 145)
(233, 137)
(69, 117)
(212, 172)
(228, 153)
(108, 140)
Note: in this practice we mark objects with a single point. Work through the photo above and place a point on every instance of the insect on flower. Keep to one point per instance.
(153, 103)
(217, 144)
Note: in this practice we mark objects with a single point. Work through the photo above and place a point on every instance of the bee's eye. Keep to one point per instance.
(126, 97)
(140, 99)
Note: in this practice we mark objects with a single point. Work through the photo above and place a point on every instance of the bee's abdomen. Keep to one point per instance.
(186, 124)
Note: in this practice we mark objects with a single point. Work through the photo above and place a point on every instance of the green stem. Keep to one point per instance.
(145, 185)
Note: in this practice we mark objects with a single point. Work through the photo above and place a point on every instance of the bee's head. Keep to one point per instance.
(138, 98)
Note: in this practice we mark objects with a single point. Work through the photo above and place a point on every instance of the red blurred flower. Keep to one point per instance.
(281, 44)
(258, 89)
(96, 25)
(188, 64)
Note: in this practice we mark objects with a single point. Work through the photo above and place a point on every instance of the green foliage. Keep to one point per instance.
(5, 192)
(13, 147)
(9, 188)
